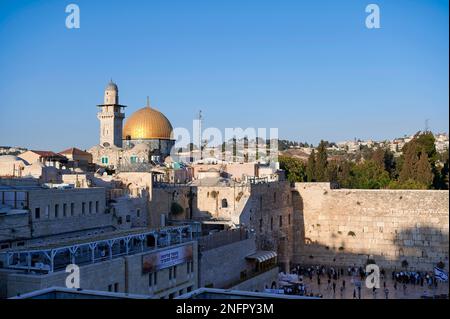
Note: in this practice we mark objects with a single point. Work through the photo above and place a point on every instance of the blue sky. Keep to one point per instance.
(310, 68)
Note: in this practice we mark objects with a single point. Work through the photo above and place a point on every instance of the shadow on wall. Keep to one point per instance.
(415, 249)
(417, 258)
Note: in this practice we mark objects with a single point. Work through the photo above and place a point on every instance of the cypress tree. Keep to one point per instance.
(321, 163)
(311, 167)
(424, 170)
(409, 166)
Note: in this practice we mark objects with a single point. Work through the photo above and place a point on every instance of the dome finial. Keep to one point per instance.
(148, 102)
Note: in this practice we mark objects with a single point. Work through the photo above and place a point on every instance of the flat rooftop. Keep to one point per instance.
(67, 293)
(212, 293)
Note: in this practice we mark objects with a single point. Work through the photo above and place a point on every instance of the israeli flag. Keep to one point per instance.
(440, 274)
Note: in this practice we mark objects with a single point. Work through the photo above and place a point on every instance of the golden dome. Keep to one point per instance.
(147, 123)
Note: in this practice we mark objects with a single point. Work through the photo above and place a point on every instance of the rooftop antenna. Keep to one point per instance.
(426, 125)
(200, 133)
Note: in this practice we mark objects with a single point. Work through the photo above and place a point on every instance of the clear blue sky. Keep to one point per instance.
(310, 68)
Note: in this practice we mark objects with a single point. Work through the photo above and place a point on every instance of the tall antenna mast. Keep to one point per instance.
(200, 133)
(426, 125)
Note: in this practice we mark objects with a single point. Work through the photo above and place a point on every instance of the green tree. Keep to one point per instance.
(332, 171)
(409, 165)
(369, 175)
(409, 184)
(424, 171)
(311, 167)
(321, 162)
(345, 174)
(295, 169)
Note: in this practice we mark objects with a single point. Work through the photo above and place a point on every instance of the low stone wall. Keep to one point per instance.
(259, 282)
(231, 256)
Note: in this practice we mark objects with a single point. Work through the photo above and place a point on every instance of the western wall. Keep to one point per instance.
(397, 229)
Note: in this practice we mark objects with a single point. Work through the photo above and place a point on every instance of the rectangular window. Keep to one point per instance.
(90, 207)
(260, 225)
(138, 213)
(83, 208)
(174, 271)
(64, 209)
(128, 218)
(72, 209)
(47, 211)
(56, 210)
(116, 287)
(289, 219)
(96, 206)
(281, 221)
(170, 273)
(155, 278)
(37, 212)
(110, 287)
(271, 223)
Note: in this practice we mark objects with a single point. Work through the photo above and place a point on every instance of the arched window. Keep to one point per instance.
(104, 159)
(224, 203)
(133, 159)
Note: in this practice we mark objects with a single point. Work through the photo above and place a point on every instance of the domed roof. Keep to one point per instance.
(111, 86)
(147, 123)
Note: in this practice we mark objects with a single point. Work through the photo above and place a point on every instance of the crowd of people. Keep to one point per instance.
(334, 280)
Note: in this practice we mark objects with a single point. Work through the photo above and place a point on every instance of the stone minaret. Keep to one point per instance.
(111, 117)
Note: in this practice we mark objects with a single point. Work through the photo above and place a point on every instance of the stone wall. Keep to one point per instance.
(213, 275)
(269, 212)
(348, 226)
(259, 282)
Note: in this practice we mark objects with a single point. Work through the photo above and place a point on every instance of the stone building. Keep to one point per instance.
(159, 263)
(265, 207)
(145, 138)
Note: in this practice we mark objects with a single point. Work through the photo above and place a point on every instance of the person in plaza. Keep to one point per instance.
(386, 293)
(334, 287)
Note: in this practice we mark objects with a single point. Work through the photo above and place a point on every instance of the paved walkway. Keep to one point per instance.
(412, 291)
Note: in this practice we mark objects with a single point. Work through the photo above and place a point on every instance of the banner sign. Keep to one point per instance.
(166, 258)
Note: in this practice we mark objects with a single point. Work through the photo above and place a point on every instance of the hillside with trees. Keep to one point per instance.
(419, 167)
